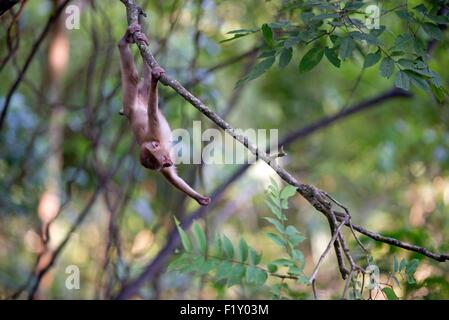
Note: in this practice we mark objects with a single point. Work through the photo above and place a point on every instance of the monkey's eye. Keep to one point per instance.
(155, 144)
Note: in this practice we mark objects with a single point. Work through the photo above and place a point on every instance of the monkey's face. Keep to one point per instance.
(155, 157)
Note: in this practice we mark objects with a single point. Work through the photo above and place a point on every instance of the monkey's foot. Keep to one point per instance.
(133, 28)
(204, 201)
(157, 72)
(134, 31)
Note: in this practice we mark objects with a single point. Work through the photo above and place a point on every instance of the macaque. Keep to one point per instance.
(140, 105)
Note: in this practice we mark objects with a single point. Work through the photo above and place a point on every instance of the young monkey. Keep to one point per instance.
(140, 106)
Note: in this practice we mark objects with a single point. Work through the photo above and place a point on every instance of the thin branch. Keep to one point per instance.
(326, 251)
(397, 243)
(366, 104)
(7, 5)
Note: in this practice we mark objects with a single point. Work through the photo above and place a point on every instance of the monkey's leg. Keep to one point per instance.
(129, 76)
(172, 177)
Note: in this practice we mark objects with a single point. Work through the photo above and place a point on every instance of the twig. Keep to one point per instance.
(326, 251)
(404, 245)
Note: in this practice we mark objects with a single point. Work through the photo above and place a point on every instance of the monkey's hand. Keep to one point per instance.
(156, 73)
(135, 31)
(202, 200)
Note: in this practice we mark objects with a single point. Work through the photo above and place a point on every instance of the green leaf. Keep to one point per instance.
(369, 38)
(294, 236)
(402, 264)
(195, 265)
(239, 33)
(311, 59)
(276, 223)
(206, 267)
(285, 57)
(291, 42)
(332, 56)
(421, 9)
(346, 47)
(267, 35)
(377, 32)
(402, 82)
(178, 262)
(254, 257)
(283, 262)
(228, 247)
(223, 270)
(256, 276)
(294, 271)
(303, 279)
(418, 81)
(288, 192)
(419, 47)
(260, 68)
(187, 245)
(298, 256)
(439, 93)
(217, 246)
(276, 238)
(272, 268)
(371, 59)
(433, 31)
(236, 275)
(243, 250)
(274, 184)
(404, 15)
(242, 31)
(395, 264)
(200, 237)
(403, 42)
(267, 54)
(410, 279)
(274, 209)
(412, 266)
(391, 295)
(387, 67)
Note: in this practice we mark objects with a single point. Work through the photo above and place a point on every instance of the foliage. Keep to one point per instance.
(241, 264)
(401, 271)
(229, 264)
(340, 30)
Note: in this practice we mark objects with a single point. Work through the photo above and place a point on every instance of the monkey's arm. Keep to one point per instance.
(153, 109)
(144, 85)
(172, 177)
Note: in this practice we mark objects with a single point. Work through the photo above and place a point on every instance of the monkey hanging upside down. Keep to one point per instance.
(140, 106)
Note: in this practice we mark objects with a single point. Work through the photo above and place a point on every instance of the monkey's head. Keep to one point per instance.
(154, 156)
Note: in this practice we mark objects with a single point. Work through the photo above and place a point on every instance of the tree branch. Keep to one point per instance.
(6, 5)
